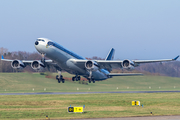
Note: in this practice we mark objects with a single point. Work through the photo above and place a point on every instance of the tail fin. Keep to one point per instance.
(110, 56)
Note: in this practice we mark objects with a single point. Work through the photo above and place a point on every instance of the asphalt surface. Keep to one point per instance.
(139, 118)
(64, 93)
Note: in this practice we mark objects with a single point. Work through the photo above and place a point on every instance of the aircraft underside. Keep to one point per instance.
(77, 77)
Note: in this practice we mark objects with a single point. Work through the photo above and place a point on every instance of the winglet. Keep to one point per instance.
(2, 57)
(176, 58)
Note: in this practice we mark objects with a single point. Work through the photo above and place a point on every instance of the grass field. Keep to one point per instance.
(96, 105)
(34, 82)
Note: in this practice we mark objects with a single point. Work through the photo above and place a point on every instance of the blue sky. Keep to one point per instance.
(137, 29)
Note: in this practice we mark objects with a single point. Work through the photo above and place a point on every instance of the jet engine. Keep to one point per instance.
(17, 64)
(127, 64)
(91, 65)
(37, 65)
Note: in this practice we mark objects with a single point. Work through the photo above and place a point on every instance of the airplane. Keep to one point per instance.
(64, 59)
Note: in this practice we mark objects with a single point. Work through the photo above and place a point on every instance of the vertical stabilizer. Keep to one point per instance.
(110, 56)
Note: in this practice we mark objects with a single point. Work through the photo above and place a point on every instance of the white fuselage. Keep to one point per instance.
(63, 58)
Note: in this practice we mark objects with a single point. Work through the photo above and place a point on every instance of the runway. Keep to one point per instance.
(64, 93)
(176, 117)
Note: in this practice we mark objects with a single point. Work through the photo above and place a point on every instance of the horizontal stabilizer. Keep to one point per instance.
(124, 74)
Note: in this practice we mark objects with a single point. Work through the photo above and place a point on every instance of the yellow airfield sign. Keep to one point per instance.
(75, 109)
(78, 109)
(70, 109)
(136, 103)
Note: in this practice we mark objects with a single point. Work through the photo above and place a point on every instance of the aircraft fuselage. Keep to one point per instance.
(63, 58)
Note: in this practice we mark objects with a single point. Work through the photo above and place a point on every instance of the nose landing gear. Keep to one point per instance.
(90, 78)
(60, 79)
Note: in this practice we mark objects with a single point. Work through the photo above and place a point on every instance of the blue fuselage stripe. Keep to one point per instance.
(67, 51)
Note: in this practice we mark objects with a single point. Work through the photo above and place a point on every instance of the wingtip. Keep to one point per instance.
(176, 58)
(2, 57)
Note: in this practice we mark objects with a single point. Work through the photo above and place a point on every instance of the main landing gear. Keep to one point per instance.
(60, 77)
(92, 79)
(76, 78)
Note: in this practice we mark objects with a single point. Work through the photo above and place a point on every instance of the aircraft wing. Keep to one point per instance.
(24, 61)
(109, 64)
(2, 58)
(103, 64)
(35, 64)
(118, 63)
(30, 61)
(150, 61)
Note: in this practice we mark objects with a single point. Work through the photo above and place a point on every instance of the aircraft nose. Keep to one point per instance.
(36, 43)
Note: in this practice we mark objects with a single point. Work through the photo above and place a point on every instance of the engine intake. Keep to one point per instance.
(37, 65)
(127, 64)
(17, 64)
(91, 65)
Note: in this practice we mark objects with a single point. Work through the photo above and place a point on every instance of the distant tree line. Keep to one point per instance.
(166, 68)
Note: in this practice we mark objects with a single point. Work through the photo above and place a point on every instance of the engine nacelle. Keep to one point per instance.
(91, 65)
(17, 64)
(127, 64)
(37, 65)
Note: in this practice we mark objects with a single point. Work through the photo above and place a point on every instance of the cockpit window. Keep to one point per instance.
(40, 40)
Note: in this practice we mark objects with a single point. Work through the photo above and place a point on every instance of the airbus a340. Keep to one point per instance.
(63, 59)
